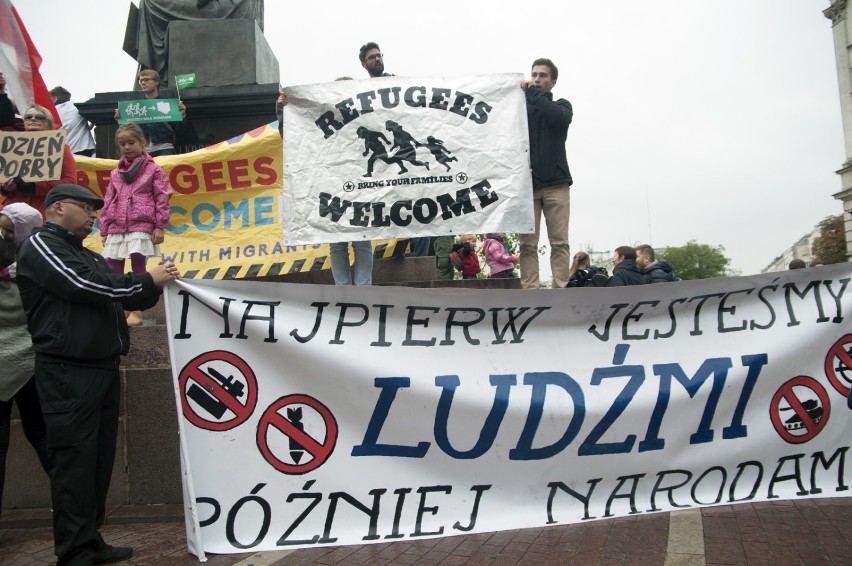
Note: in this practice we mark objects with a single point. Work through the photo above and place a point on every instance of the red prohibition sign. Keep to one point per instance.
(809, 416)
(839, 359)
(216, 394)
(318, 449)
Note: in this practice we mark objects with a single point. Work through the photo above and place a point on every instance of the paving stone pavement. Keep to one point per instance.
(811, 531)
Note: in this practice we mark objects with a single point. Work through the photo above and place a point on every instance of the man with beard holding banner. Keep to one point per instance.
(372, 59)
(548, 126)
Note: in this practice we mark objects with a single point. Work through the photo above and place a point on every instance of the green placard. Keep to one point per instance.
(185, 81)
(149, 110)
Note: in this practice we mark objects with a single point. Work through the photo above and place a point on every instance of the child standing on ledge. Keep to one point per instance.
(136, 207)
(498, 258)
(468, 254)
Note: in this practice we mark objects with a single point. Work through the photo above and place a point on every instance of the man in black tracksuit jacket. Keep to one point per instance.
(548, 122)
(75, 314)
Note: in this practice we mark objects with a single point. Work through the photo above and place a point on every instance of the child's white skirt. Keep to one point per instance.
(120, 246)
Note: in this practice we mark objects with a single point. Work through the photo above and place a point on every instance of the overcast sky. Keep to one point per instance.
(715, 120)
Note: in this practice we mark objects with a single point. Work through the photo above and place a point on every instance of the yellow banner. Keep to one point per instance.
(224, 211)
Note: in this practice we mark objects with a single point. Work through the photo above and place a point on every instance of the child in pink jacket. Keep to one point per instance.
(500, 262)
(136, 207)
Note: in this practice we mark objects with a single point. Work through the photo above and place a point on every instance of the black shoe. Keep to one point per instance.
(109, 554)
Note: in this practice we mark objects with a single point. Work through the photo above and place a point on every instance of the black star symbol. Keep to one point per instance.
(461, 177)
(348, 186)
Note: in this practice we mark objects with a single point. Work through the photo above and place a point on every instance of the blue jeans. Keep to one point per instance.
(362, 268)
(420, 246)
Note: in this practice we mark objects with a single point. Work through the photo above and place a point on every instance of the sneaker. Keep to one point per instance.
(109, 554)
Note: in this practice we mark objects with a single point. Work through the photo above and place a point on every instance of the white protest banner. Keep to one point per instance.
(322, 415)
(32, 156)
(396, 157)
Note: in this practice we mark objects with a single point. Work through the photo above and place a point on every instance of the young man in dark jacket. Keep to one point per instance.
(625, 271)
(655, 271)
(551, 179)
(75, 314)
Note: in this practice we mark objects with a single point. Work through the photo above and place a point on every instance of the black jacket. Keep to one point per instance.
(626, 273)
(7, 112)
(659, 272)
(548, 125)
(74, 303)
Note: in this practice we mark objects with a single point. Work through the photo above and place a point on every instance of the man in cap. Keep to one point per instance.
(75, 313)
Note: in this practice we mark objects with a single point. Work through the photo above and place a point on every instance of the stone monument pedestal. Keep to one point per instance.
(214, 114)
(236, 75)
(221, 53)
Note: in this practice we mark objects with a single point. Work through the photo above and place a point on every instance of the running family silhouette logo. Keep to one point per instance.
(404, 148)
(396, 157)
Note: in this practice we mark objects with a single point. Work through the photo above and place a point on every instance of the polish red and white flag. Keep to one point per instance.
(20, 62)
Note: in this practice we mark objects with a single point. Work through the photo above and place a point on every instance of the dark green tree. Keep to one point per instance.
(830, 245)
(697, 261)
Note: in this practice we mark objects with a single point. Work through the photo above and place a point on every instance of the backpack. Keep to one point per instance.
(456, 260)
(592, 277)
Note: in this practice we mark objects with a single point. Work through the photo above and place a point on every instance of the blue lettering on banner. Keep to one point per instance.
(206, 217)
(591, 445)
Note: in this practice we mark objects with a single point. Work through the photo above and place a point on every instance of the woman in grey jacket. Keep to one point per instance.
(17, 221)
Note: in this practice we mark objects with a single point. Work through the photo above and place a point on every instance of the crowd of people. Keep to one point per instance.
(65, 310)
(632, 266)
(548, 129)
(548, 123)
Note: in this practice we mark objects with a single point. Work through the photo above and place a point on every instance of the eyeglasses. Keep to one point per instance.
(376, 56)
(36, 117)
(145, 80)
(84, 205)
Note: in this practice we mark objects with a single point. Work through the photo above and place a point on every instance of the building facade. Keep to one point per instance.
(841, 25)
(800, 250)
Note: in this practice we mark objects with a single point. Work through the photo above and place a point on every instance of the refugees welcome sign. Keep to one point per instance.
(392, 157)
(322, 415)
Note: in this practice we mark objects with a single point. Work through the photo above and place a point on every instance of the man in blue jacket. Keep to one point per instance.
(551, 178)
(625, 271)
(75, 314)
(654, 270)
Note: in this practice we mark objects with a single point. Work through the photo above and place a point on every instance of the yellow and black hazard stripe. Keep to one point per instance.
(298, 263)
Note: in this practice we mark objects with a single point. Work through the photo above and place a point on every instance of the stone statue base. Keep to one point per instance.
(220, 53)
(215, 114)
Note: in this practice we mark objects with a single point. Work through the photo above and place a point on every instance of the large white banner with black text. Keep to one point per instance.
(321, 415)
(395, 157)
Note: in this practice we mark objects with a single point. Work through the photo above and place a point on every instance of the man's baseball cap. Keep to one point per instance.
(73, 192)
